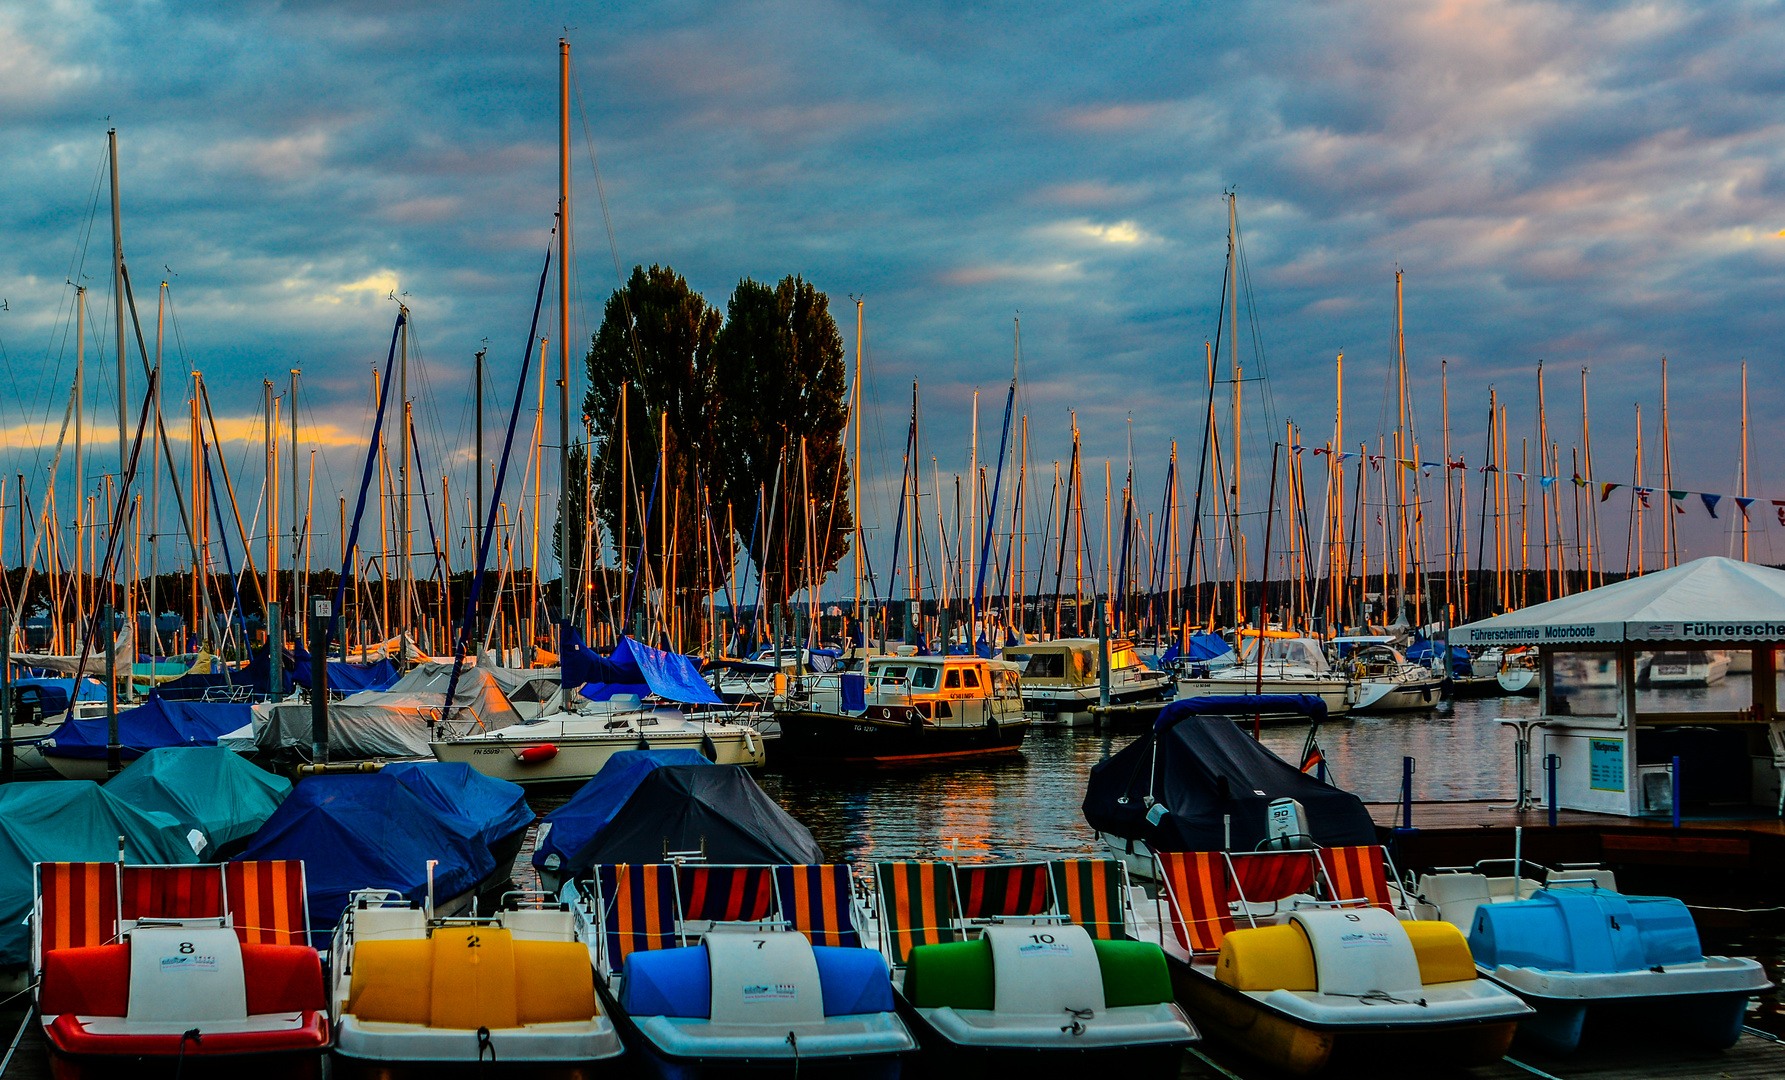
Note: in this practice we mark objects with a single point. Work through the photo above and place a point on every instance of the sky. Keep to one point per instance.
(1585, 185)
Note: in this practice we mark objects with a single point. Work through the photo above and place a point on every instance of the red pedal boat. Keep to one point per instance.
(182, 966)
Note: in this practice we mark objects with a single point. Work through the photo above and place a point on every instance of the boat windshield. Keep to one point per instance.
(1045, 665)
(889, 675)
(1295, 652)
(923, 677)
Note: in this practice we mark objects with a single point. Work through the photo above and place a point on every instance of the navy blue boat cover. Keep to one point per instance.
(575, 823)
(498, 808)
(1201, 767)
(156, 722)
(378, 831)
(636, 668)
(688, 806)
(211, 788)
(70, 821)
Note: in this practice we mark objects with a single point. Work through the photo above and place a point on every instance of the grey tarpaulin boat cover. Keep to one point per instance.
(394, 723)
(683, 807)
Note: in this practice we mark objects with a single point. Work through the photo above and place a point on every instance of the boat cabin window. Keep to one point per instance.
(890, 674)
(953, 680)
(1122, 658)
(1045, 665)
(970, 677)
(923, 677)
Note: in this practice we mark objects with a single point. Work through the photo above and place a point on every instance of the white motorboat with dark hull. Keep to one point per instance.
(904, 708)
(1062, 678)
(572, 747)
(1292, 665)
(1388, 682)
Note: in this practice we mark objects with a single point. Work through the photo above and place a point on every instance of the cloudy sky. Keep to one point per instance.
(1586, 185)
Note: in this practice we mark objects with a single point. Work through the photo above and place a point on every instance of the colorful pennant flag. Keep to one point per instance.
(1578, 482)
(1744, 503)
(1605, 490)
(1710, 502)
(1547, 481)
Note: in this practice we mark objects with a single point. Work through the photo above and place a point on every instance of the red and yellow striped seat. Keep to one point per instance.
(77, 905)
(1197, 886)
(1356, 873)
(172, 892)
(267, 902)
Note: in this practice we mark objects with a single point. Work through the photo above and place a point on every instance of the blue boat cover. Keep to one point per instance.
(574, 824)
(70, 821)
(1206, 647)
(496, 808)
(1585, 931)
(370, 831)
(54, 692)
(210, 788)
(351, 678)
(670, 676)
(1203, 768)
(668, 982)
(156, 722)
(715, 808)
(1311, 706)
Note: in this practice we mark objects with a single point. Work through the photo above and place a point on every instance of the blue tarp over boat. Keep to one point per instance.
(636, 668)
(211, 788)
(156, 722)
(70, 821)
(496, 808)
(378, 831)
(574, 824)
(53, 692)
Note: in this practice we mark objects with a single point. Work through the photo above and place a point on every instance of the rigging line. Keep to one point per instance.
(607, 220)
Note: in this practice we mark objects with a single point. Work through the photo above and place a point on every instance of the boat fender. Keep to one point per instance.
(750, 741)
(707, 749)
(537, 755)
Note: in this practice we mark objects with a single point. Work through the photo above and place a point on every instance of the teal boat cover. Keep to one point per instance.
(71, 821)
(212, 789)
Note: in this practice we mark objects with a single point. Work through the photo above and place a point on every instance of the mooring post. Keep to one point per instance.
(1551, 763)
(1406, 793)
(6, 695)
(1676, 792)
(322, 613)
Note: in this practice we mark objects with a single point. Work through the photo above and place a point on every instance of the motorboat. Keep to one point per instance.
(513, 988)
(904, 708)
(1575, 948)
(710, 968)
(172, 967)
(573, 746)
(1519, 672)
(1388, 682)
(1027, 966)
(418, 829)
(713, 813)
(1197, 782)
(216, 791)
(1290, 665)
(1692, 668)
(78, 749)
(1062, 678)
(1296, 957)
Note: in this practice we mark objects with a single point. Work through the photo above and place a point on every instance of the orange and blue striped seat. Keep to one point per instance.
(1197, 887)
(1356, 873)
(267, 901)
(998, 890)
(1089, 893)
(917, 906)
(726, 893)
(77, 905)
(815, 900)
(172, 892)
(640, 908)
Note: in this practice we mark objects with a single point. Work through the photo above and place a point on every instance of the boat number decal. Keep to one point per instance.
(471, 942)
(1044, 945)
(771, 992)
(189, 959)
(759, 943)
(1357, 939)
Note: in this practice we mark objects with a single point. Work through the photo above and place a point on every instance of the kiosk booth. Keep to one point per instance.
(1598, 650)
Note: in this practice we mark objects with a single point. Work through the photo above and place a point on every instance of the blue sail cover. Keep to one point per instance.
(351, 678)
(213, 789)
(574, 824)
(1206, 647)
(370, 831)
(70, 821)
(156, 722)
(632, 665)
(497, 809)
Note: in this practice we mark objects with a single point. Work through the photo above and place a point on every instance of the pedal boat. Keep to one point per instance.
(1329, 977)
(715, 968)
(195, 967)
(1575, 953)
(1027, 965)
(513, 989)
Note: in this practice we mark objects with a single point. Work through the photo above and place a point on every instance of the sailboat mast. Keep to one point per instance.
(1400, 456)
(1671, 536)
(1449, 552)
(1638, 500)
(1543, 471)
(1595, 553)
(1233, 331)
(1744, 507)
(405, 545)
(563, 340)
(300, 522)
(80, 482)
(856, 460)
(154, 489)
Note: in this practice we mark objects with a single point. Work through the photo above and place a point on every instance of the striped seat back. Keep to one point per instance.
(77, 905)
(1089, 892)
(917, 906)
(817, 901)
(727, 893)
(172, 892)
(1261, 877)
(991, 890)
(1197, 887)
(267, 901)
(639, 901)
(1356, 873)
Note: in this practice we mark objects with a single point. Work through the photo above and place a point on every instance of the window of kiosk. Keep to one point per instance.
(1586, 683)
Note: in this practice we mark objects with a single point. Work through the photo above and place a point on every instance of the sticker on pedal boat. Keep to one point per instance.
(1043, 945)
(1359, 940)
(771, 992)
(189, 962)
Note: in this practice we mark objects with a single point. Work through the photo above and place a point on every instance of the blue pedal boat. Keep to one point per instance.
(1575, 952)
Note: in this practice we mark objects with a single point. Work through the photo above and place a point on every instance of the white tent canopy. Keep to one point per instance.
(1711, 599)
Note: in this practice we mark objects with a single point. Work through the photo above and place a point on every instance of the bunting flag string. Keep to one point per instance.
(1743, 502)
(1605, 490)
(1779, 505)
(1710, 503)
